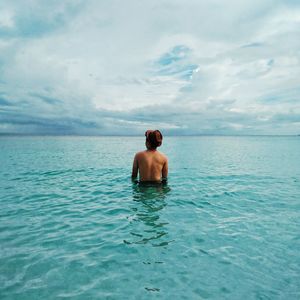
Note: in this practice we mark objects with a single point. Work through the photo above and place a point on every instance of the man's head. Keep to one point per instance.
(153, 139)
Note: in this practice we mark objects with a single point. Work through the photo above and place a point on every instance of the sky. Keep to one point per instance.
(121, 67)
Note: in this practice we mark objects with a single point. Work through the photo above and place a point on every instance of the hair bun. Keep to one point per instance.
(155, 138)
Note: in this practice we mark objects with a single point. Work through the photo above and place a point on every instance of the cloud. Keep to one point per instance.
(96, 67)
(175, 63)
(4, 102)
(46, 99)
(33, 19)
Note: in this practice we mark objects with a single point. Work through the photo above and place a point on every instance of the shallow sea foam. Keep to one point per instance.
(73, 225)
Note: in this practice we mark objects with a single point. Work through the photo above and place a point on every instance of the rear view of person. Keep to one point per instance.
(151, 164)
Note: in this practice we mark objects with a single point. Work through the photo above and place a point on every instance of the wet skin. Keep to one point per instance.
(151, 165)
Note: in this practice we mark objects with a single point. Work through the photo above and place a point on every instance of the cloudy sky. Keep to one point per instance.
(120, 67)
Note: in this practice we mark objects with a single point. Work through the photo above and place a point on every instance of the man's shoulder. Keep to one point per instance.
(162, 155)
(140, 153)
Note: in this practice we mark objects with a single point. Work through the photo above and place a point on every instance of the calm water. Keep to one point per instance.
(73, 225)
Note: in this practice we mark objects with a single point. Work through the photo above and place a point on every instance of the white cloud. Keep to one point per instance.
(6, 19)
(201, 66)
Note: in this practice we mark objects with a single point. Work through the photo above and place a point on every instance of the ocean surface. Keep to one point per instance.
(73, 224)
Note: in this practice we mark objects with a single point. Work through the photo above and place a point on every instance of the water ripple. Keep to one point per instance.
(73, 225)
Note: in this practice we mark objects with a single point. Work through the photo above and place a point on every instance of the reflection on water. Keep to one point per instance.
(148, 225)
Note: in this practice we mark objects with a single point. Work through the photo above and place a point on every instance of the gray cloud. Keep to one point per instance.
(4, 102)
(35, 19)
(94, 67)
(46, 99)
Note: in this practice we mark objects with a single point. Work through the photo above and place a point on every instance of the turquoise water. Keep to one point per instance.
(73, 225)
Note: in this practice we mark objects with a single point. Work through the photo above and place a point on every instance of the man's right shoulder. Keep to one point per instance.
(139, 154)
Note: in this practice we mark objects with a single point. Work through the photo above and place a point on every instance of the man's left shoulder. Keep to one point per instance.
(139, 154)
(163, 155)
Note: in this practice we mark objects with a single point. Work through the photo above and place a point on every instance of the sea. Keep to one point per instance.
(226, 225)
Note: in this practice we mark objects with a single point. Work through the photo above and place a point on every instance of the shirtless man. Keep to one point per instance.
(151, 164)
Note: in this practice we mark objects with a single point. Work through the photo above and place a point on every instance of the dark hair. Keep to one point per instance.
(154, 138)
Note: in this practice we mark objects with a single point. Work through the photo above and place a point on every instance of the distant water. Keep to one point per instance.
(72, 225)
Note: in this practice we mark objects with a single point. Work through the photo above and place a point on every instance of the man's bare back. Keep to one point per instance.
(151, 164)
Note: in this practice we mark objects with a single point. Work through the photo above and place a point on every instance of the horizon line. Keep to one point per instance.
(137, 135)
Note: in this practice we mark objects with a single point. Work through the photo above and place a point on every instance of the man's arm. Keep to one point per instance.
(165, 170)
(135, 168)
